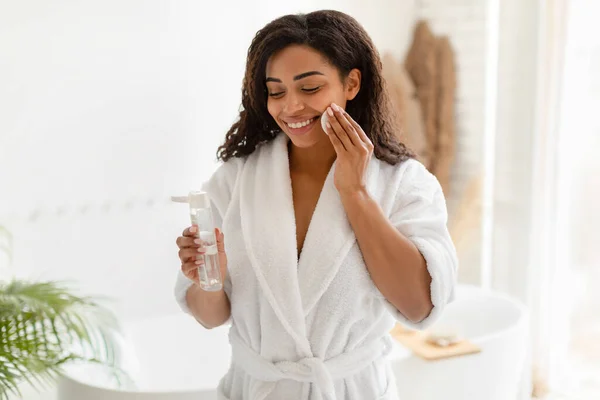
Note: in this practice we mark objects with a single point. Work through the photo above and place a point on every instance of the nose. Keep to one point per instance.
(292, 104)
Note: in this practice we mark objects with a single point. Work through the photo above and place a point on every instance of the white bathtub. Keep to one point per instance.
(174, 358)
(501, 371)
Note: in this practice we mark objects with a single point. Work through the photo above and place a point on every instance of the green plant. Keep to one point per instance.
(43, 327)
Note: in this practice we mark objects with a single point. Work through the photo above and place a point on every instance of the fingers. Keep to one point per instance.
(361, 134)
(338, 146)
(358, 137)
(190, 270)
(339, 130)
(183, 242)
(190, 266)
(190, 247)
(192, 254)
(347, 126)
(191, 257)
(220, 240)
(190, 231)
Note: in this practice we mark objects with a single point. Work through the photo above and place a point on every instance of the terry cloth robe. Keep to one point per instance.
(316, 327)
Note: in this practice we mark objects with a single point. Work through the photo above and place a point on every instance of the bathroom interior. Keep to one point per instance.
(110, 108)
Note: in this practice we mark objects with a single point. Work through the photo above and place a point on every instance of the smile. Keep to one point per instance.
(301, 128)
(298, 125)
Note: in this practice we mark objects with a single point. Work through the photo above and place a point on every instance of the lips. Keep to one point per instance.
(301, 127)
(301, 124)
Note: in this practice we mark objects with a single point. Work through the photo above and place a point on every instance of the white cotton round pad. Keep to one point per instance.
(324, 119)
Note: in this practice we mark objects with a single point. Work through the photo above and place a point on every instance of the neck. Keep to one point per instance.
(316, 160)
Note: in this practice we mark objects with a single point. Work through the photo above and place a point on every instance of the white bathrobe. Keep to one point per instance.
(317, 327)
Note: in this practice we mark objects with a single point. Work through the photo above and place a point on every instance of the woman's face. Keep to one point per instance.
(301, 84)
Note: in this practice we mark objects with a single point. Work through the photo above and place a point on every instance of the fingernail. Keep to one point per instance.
(193, 229)
(197, 241)
(328, 125)
(198, 262)
(200, 249)
(330, 111)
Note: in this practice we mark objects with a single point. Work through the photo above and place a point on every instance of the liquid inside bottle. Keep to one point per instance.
(210, 272)
(200, 208)
(201, 216)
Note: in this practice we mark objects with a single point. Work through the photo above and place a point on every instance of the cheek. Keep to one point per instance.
(323, 99)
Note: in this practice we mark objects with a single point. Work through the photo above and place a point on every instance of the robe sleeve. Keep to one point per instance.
(420, 214)
(219, 188)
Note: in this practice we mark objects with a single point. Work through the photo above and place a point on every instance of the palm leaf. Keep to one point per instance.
(43, 326)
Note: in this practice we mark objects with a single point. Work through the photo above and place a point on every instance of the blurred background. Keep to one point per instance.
(107, 108)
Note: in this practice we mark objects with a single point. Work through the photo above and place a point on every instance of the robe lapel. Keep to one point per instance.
(269, 230)
(292, 287)
(328, 240)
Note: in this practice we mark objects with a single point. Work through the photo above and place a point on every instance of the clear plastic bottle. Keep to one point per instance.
(201, 216)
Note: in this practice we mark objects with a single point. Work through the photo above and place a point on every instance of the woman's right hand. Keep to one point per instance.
(191, 253)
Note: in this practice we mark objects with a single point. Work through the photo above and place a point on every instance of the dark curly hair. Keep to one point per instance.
(346, 45)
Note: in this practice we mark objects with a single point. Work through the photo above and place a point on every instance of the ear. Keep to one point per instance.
(352, 84)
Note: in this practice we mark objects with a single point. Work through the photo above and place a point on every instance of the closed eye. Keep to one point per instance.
(306, 90)
(311, 90)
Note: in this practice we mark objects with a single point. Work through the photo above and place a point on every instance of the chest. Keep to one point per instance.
(305, 194)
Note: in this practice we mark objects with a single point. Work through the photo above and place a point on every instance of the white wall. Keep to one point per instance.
(517, 91)
(108, 108)
(465, 23)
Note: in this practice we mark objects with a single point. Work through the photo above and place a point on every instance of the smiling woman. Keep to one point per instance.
(300, 64)
(332, 231)
(297, 99)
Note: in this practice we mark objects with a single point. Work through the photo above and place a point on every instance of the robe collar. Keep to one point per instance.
(292, 286)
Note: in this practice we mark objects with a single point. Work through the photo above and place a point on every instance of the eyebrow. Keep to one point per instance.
(297, 77)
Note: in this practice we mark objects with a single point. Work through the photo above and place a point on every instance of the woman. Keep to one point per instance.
(332, 234)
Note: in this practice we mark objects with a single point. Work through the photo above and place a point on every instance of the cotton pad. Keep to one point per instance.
(324, 119)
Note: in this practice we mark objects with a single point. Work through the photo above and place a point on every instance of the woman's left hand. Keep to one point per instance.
(354, 150)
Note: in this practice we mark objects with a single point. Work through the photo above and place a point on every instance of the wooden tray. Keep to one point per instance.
(416, 342)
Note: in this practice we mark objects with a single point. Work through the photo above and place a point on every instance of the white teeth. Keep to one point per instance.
(297, 125)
